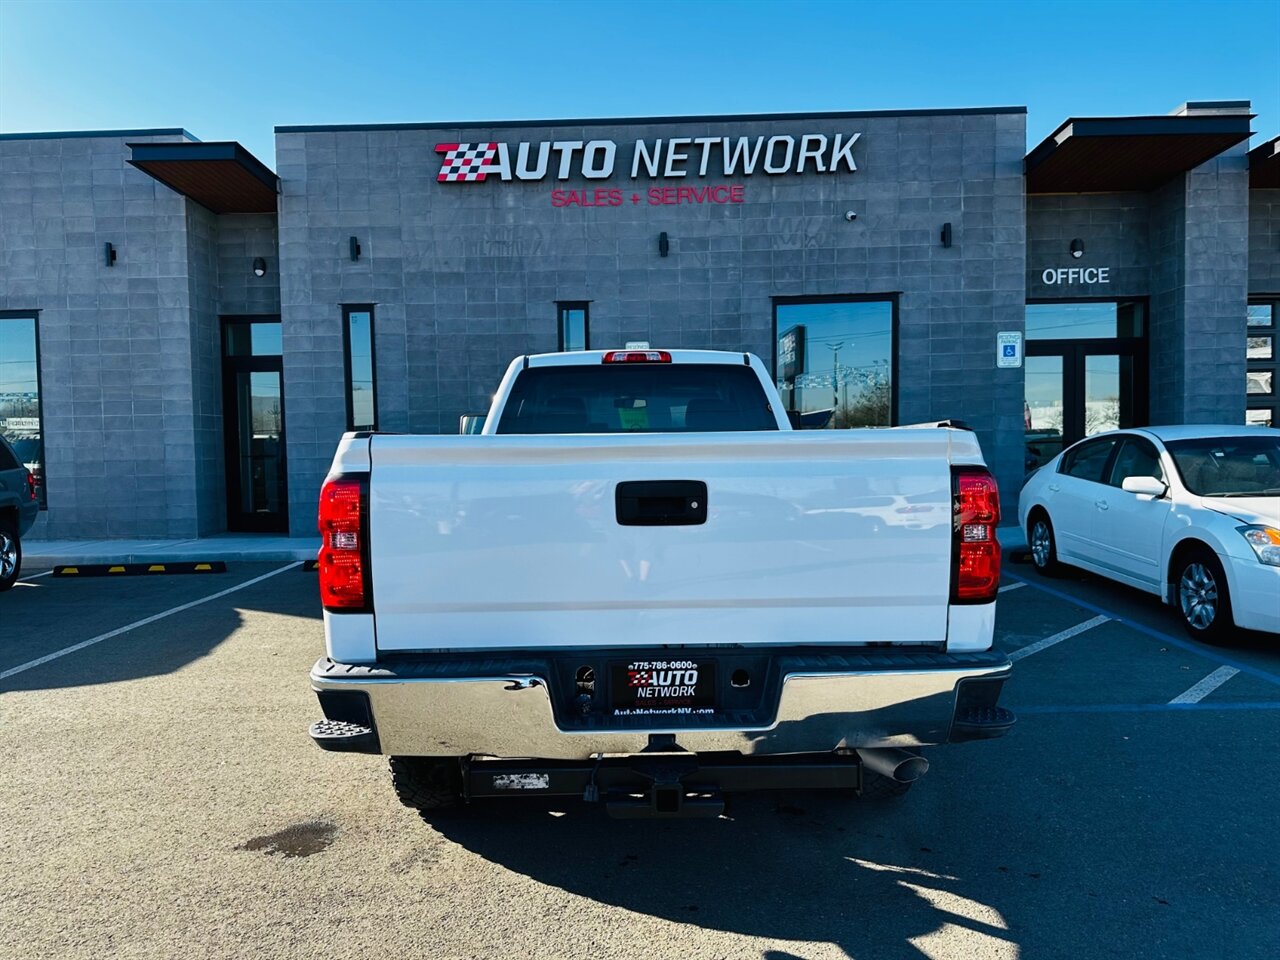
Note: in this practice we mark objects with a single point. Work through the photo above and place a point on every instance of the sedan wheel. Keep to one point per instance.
(1198, 593)
(1203, 600)
(1044, 553)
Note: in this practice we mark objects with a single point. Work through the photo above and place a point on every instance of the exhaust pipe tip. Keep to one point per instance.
(895, 764)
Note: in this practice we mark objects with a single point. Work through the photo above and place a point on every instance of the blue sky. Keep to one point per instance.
(230, 70)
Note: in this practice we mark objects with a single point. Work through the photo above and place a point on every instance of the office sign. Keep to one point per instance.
(1062, 276)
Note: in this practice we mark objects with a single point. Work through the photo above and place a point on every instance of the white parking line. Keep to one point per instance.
(35, 576)
(1206, 686)
(39, 661)
(1048, 642)
(1013, 586)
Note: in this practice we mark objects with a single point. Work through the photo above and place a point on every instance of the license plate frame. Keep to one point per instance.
(662, 687)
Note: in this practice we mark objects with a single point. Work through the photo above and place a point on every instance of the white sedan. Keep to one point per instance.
(1189, 513)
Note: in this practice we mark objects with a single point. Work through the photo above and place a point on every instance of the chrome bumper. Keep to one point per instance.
(889, 700)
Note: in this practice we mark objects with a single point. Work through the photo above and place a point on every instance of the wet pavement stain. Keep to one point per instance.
(299, 840)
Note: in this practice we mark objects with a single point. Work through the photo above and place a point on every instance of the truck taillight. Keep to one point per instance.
(637, 356)
(344, 560)
(975, 549)
(32, 487)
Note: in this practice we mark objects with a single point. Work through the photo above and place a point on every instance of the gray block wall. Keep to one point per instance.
(130, 353)
(115, 341)
(467, 276)
(1182, 246)
(1264, 242)
(1200, 237)
(1115, 228)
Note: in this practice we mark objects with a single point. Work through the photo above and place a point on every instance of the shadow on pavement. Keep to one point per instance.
(53, 615)
(795, 866)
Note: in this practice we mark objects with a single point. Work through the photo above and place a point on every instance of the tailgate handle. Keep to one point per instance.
(661, 503)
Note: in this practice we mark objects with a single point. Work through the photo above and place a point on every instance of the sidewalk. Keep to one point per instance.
(229, 547)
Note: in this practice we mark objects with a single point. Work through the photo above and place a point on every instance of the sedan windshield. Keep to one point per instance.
(1229, 466)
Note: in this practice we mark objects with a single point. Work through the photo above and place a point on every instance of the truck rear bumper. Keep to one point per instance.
(505, 707)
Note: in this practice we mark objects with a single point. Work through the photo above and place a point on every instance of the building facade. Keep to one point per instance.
(185, 334)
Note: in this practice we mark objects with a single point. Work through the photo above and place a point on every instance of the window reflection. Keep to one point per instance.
(1084, 321)
(246, 338)
(362, 397)
(1042, 412)
(835, 362)
(573, 326)
(20, 395)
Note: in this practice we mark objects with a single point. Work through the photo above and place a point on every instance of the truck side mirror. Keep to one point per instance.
(471, 423)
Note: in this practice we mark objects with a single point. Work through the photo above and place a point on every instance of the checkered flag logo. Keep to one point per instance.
(637, 678)
(465, 162)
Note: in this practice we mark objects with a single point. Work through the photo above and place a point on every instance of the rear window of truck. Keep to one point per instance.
(637, 398)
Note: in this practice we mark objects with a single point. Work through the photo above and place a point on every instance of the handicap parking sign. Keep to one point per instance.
(1009, 349)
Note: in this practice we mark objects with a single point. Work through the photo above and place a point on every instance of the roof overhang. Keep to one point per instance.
(224, 177)
(1264, 166)
(1110, 154)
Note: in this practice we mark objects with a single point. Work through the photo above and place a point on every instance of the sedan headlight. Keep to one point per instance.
(1265, 542)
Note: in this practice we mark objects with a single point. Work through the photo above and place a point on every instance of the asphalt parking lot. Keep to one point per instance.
(161, 798)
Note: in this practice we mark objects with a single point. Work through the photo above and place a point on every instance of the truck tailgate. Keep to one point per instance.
(515, 541)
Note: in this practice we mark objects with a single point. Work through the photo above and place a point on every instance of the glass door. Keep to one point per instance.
(253, 418)
(1086, 373)
(1043, 412)
(1076, 390)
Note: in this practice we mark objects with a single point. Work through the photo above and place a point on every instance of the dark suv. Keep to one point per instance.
(18, 508)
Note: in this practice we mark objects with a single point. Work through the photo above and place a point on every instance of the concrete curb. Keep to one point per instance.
(230, 549)
(1013, 542)
(32, 559)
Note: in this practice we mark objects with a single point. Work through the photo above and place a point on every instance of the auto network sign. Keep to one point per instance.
(701, 157)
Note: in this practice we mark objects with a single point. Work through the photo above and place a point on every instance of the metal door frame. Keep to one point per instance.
(237, 520)
(1073, 354)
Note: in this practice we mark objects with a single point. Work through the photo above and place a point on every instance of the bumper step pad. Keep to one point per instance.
(343, 737)
(981, 723)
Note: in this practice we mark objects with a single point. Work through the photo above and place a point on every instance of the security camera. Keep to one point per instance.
(850, 215)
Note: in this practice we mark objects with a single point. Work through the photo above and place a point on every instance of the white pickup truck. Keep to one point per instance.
(639, 586)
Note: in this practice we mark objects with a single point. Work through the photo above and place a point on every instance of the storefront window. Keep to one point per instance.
(834, 361)
(573, 325)
(1263, 366)
(20, 392)
(252, 339)
(362, 393)
(1084, 321)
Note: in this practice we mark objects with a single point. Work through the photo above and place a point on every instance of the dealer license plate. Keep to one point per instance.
(664, 687)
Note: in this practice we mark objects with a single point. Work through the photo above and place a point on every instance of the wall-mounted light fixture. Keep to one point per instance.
(259, 267)
(664, 245)
(1077, 248)
(946, 234)
(109, 252)
(355, 249)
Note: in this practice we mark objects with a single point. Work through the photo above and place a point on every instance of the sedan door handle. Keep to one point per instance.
(1102, 505)
(1053, 487)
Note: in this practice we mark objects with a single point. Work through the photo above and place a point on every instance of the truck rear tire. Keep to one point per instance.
(427, 783)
